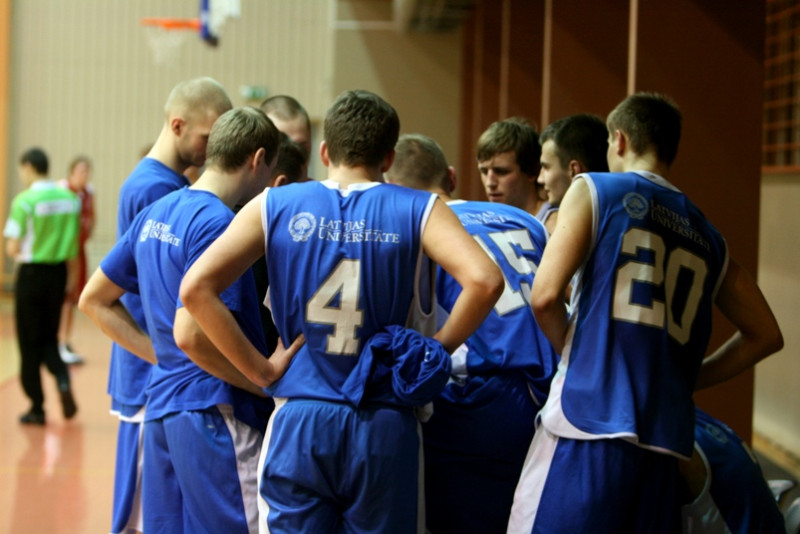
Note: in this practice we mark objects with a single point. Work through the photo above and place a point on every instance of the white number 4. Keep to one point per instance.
(345, 317)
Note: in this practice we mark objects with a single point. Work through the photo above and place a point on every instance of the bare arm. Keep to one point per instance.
(215, 270)
(758, 335)
(100, 301)
(447, 243)
(563, 255)
(12, 247)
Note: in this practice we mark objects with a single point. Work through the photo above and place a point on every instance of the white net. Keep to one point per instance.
(165, 44)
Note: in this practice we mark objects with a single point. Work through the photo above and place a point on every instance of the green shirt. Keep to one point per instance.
(45, 218)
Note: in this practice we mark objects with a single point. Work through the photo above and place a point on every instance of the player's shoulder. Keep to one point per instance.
(151, 175)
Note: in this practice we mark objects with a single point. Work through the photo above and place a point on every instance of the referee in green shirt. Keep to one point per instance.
(42, 236)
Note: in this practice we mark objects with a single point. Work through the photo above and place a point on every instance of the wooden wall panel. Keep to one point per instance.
(502, 61)
(84, 79)
(588, 69)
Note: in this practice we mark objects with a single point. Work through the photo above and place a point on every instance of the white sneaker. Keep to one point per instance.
(67, 356)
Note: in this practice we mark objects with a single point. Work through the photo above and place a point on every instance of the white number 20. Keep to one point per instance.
(344, 282)
(658, 314)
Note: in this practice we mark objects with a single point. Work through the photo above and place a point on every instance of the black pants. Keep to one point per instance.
(38, 296)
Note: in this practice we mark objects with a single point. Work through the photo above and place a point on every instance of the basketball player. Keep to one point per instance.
(570, 146)
(650, 270)
(508, 162)
(291, 118)
(501, 375)
(190, 110)
(725, 488)
(193, 418)
(347, 264)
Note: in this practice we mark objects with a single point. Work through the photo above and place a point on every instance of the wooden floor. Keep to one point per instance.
(57, 478)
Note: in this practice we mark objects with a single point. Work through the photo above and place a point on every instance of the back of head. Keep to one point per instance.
(360, 129)
(198, 97)
(285, 108)
(651, 121)
(419, 162)
(582, 137)
(36, 158)
(512, 135)
(237, 134)
(291, 160)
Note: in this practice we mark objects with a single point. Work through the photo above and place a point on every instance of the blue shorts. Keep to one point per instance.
(475, 445)
(598, 486)
(126, 513)
(200, 473)
(330, 467)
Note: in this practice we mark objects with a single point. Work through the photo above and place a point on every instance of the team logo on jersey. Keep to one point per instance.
(146, 230)
(159, 231)
(302, 226)
(635, 204)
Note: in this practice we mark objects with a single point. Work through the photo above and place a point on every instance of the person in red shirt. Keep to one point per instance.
(80, 170)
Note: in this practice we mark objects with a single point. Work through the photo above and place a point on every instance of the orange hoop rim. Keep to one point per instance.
(172, 23)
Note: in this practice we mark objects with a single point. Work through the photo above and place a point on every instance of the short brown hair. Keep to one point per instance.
(582, 137)
(419, 162)
(512, 135)
(285, 108)
(291, 161)
(360, 129)
(651, 121)
(237, 134)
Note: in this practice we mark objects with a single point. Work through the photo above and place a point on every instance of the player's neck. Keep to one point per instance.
(164, 151)
(443, 195)
(345, 176)
(533, 204)
(228, 187)
(647, 162)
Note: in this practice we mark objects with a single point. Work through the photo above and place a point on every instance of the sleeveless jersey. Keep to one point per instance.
(641, 317)
(342, 265)
(149, 181)
(545, 211)
(736, 497)
(150, 260)
(509, 338)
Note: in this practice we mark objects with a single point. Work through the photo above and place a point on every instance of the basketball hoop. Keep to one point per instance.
(165, 36)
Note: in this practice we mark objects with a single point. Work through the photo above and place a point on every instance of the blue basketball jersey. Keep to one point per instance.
(342, 265)
(736, 497)
(150, 260)
(641, 316)
(509, 338)
(149, 181)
